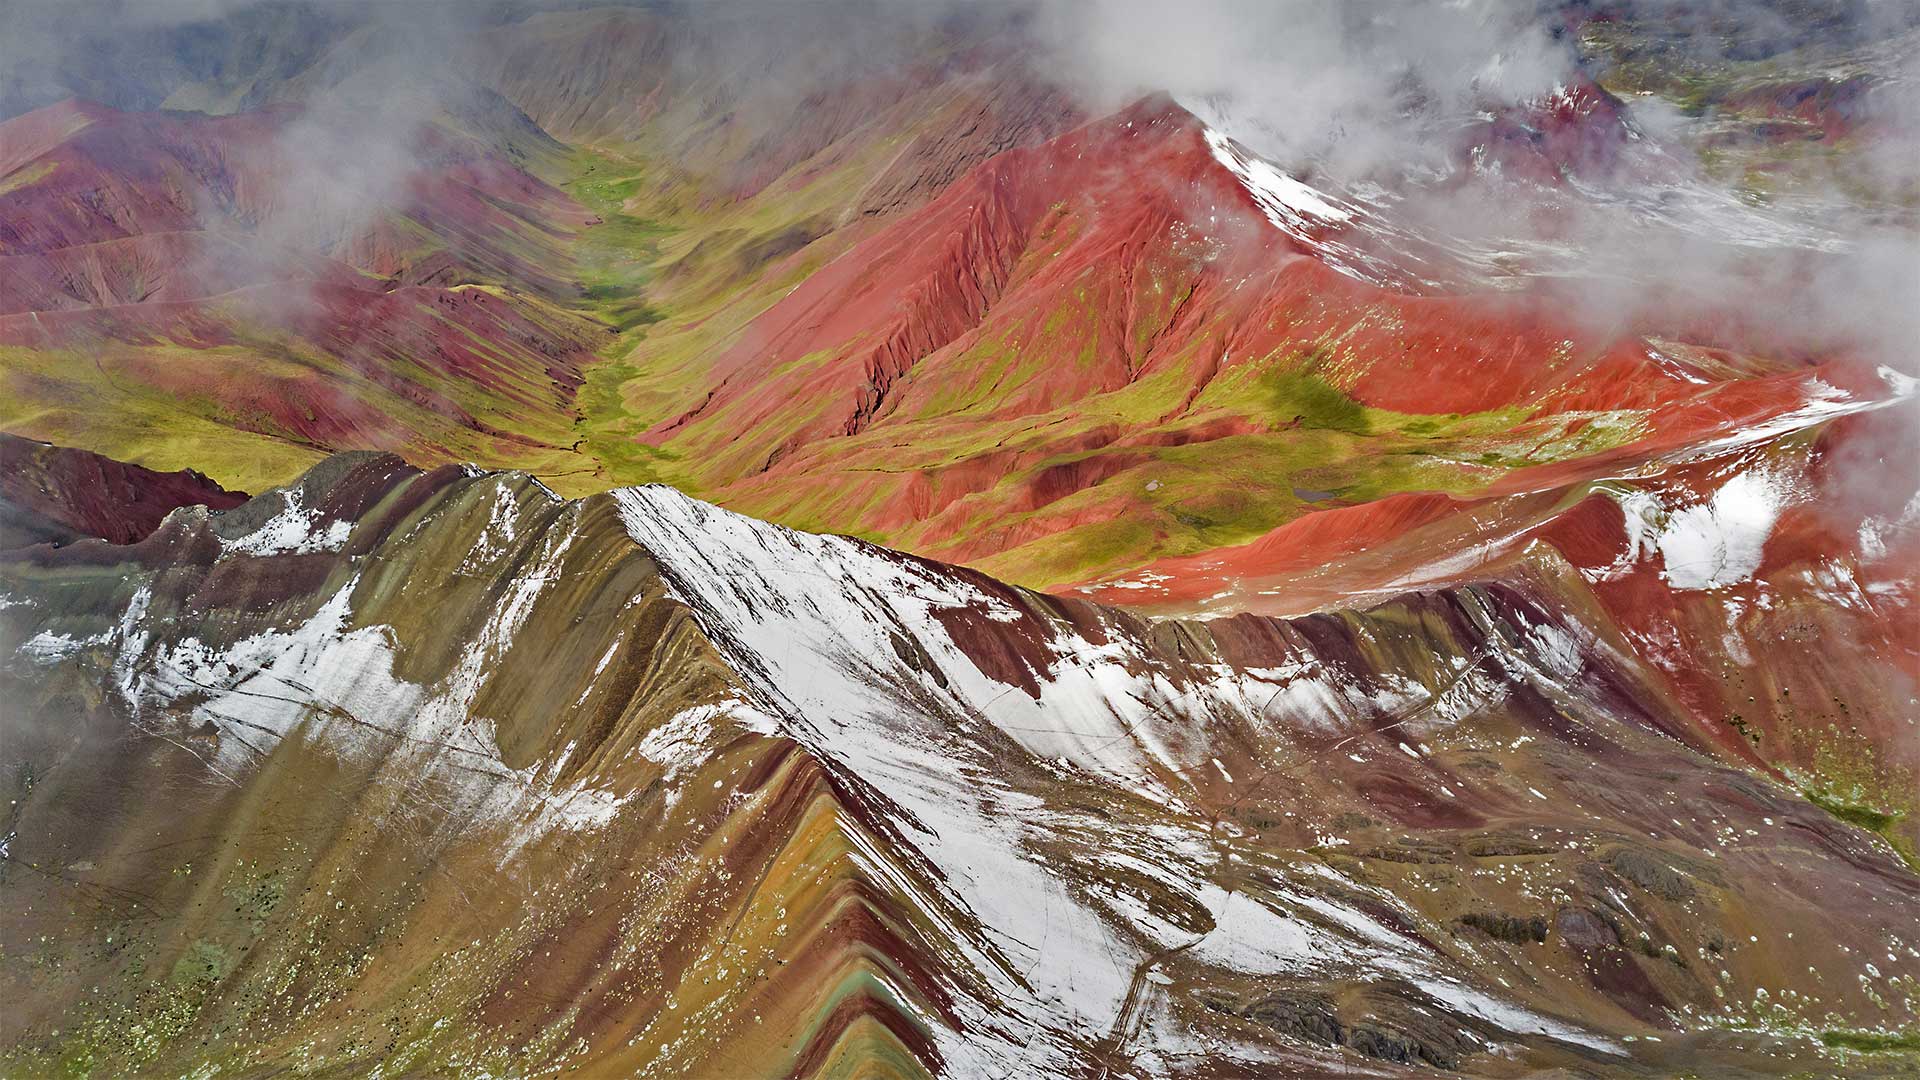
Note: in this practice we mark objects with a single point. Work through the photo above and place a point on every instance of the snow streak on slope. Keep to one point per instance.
(1362, 235)
(1312, 218)
(822, 619)
(847, 646)
(1382, 230)
(1719, 542)
(293, 529)
(335, 683)
(1288, 203)
(817, 624)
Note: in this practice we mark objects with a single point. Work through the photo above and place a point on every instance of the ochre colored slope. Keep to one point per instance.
(439, 772)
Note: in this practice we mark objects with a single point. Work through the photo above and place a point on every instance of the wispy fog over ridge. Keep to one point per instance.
(1372, 101)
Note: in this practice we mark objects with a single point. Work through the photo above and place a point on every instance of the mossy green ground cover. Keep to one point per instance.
(1873, 1041)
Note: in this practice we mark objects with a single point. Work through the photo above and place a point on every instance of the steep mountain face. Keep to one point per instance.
(440, 771)
(52, 494)
(1140, 336)
(151, 260)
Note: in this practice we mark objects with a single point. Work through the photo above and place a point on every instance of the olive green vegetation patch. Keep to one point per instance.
(27, 175)
(103, 402)
(615, 257)
(1849, 779)
(60, 397)
(1064, 556)
(677, 283)
(1865, 817)
(1872, 1041)
(609, 432)
(1879, 822)
(204, 963)
(1304, 398)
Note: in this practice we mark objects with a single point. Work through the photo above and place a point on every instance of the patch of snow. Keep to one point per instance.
(1509, 1017)
(1718, 543)
(1710, 544)
(1876, 532)
(499, 534)
(1248, 936)
(1146, 579)
(680, 743)
(1823, 402)
(47, 647)
(294, 530)
(1557, 650)
(1674, 367)
(1834, 583)
(1287, 202)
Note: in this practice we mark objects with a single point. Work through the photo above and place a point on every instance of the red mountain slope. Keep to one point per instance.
(168, 249)
(58, 495)
(1765, 568)
(1071, 314)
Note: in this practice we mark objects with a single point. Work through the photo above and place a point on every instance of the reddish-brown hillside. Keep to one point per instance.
(58, 495)
(1016, 362)
(167, 257)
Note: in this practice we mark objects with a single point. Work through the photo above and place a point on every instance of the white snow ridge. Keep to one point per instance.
(821, 627)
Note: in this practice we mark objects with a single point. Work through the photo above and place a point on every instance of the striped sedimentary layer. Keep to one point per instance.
(440, 773)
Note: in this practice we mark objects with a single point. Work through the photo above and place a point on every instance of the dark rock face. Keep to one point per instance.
(1307, 1017)
(1651, 872)
(1512, 928)
(52, 494)
(1390, 1045)
(1586, 929)
(1389, 1022)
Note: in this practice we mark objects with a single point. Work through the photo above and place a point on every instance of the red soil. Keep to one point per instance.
(150, 230)
(1824, 634)
(52, 493)
(1118, 251)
